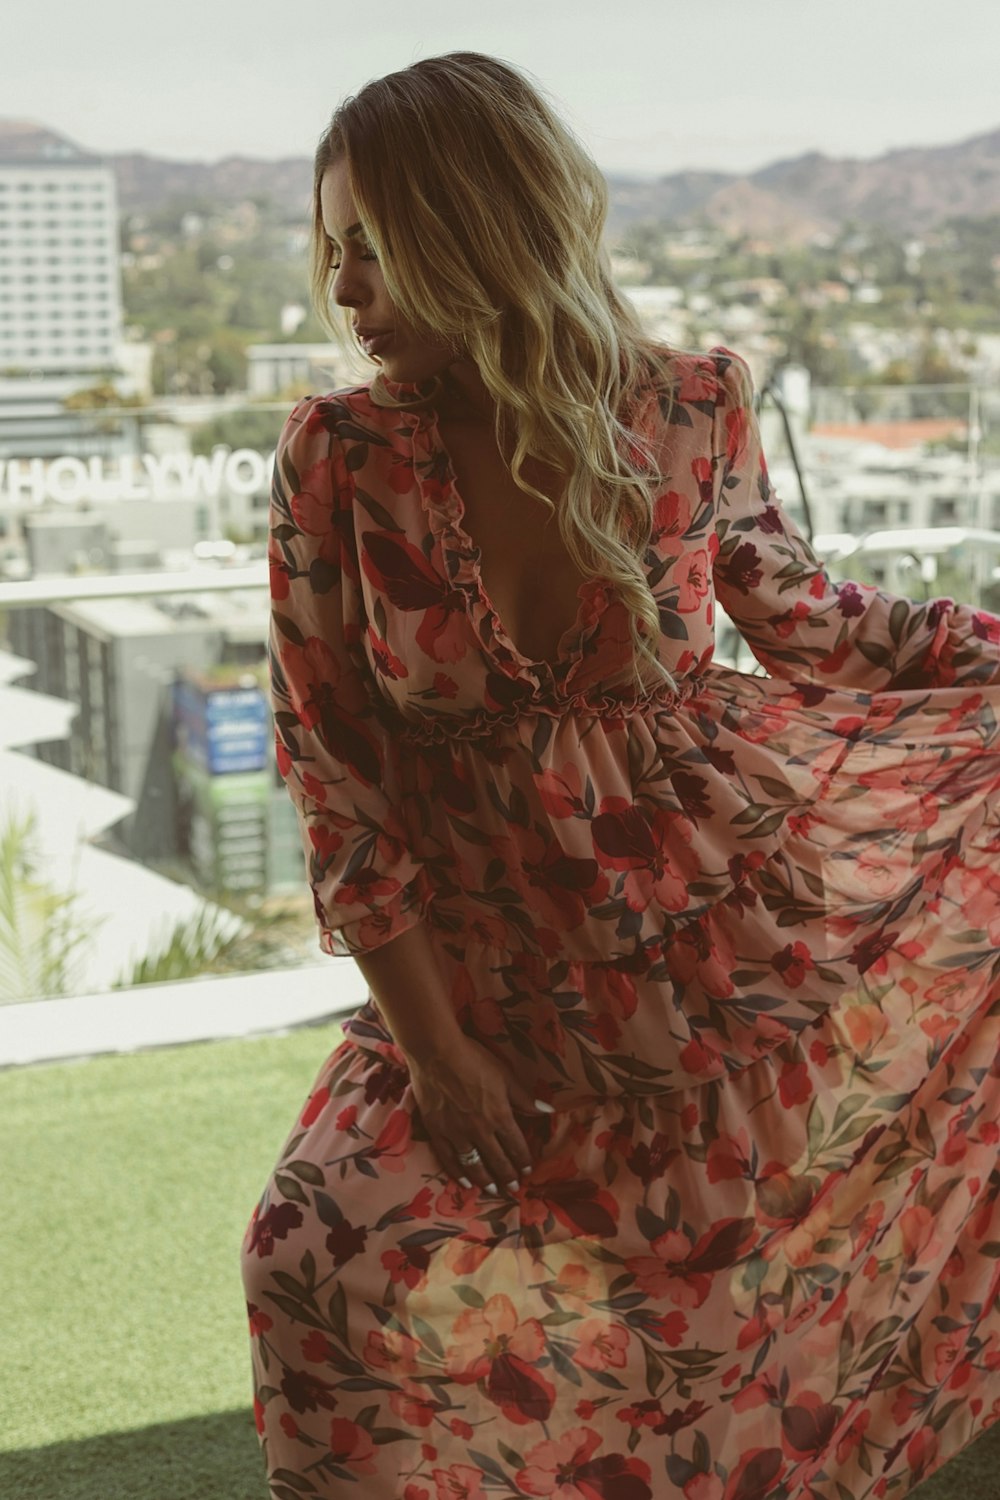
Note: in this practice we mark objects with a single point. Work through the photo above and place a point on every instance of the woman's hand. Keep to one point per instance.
(466, 1098)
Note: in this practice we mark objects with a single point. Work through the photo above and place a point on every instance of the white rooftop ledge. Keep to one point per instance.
(190, 1010)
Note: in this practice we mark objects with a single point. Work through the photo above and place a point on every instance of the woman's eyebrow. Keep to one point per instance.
(351, 230)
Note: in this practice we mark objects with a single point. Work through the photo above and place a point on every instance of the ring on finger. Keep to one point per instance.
(468, 1158)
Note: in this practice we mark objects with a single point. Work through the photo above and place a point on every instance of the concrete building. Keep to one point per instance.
(60, 289)
(274, 368)
(117, 659)
(60, 283)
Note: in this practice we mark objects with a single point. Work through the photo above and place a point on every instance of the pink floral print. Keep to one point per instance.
(743, 935)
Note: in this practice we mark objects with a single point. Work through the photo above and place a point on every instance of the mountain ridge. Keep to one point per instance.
(907, 188)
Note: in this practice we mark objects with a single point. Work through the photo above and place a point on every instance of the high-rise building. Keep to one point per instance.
(60, 289)
(60, 278)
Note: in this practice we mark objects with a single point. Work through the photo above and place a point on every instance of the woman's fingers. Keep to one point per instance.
(468, 1101)
(495, 1168)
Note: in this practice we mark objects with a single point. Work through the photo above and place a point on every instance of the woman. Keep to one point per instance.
(662, 1159)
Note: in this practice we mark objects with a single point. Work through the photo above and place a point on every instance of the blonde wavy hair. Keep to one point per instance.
(487, 218)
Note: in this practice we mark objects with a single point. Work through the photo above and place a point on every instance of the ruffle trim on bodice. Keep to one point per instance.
(445, 511)
(487, 725)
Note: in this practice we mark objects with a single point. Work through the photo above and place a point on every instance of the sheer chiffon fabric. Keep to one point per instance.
(743, 934)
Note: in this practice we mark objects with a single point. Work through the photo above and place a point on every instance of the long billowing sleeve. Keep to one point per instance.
(338, 762)
(799, 623)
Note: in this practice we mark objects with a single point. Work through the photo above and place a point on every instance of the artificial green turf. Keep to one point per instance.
(124, 1356)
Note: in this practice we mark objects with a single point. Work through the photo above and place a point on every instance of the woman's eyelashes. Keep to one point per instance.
(335, 264)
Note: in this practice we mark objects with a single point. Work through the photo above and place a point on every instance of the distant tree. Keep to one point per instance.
(99, 397)
(247, 427)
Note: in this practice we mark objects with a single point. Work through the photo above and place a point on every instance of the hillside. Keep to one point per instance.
(907, 190)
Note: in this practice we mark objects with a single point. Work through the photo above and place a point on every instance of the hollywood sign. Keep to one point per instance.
(144, 476)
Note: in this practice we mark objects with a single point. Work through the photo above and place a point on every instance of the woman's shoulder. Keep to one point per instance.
(670, 364)
(347, 413)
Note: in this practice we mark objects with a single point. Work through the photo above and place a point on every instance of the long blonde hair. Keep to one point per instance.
(487, 218)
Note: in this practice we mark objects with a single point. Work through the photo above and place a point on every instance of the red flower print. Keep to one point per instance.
(345, 1240)
(783, 1197)
(600, 1345)
(312, 674)
(756, 1475)
(560, 791)
(275, 1224)
(740, 569)
(566, 1469)
(692, 578)
(460, 1482)
(703, 1487)
(853, 1437)
(577, 1202)
(414, 1405)
(671, 1328)
(671, 516)
(393, 1143)
(561, 886)
(407, 1266)
(351, 1446)
(727, 1157)
(399, 570)
(922, 1452)
(392, 1349)
(317, 1102)
(702, 474)
(312, 507)
(652, 851)
(420, 1206)
(699, 382)
(916, 1226)
(794, 1085)
(490, 1344)
(793, 963)
(316, 1347)
(307, 1392)
(259, 1321)
(652, 1161)
(770, 882)
(386, 662)
(278, 571)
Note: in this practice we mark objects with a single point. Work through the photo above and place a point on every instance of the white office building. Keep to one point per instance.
(60, 295)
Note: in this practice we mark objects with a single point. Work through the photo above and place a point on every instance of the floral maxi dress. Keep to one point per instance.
(744, 937)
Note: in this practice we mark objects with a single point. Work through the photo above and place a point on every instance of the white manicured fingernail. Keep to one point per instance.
(465, 1182)
(525, 1171)
(512, 1187)
(549, 1109)
(491, 1187)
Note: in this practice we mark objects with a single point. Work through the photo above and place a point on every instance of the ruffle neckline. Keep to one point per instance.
(445, 511)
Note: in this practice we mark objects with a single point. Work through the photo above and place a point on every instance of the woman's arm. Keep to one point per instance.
(405, 980)
(342, 771)
(799, 623)
(338, 763)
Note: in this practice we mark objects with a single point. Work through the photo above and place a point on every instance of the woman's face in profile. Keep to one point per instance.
(358, 284)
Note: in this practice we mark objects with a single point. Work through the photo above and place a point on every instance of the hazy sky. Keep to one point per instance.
(650, 86)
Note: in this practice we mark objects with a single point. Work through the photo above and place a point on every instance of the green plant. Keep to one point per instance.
(193, 945)
(41, 936)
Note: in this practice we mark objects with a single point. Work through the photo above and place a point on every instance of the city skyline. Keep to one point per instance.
(649, 91)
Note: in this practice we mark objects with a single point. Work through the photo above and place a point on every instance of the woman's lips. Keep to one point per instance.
(375, 343)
